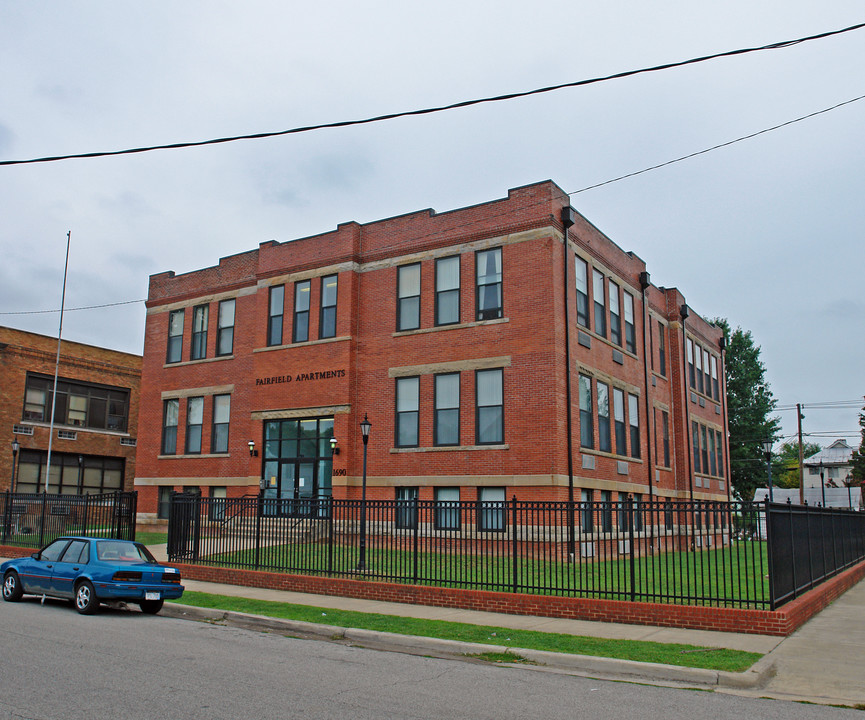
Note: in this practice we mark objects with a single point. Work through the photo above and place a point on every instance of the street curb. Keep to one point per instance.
(609, 668)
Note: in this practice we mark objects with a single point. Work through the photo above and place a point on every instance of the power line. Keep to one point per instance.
(87, 307)
(431, 110)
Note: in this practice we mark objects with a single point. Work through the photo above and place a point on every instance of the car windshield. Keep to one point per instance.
(123, 551)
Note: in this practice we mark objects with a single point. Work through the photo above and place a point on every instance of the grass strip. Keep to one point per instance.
(643, 651)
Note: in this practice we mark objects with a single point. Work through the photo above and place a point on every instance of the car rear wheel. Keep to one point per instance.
(151, 607)
(12, 591)
(86, 601)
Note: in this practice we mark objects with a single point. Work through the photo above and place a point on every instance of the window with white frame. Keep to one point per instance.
(634, 424)
(447, 295)
(587, 425)
(194, 421)
(605, 442)
(447, 409)
(489, 406)
(491, 509)
(630, 330)
(327, 314)
(301, 311)
(447, 509)
(408, 297)
(174, 352)
(619, 421)
(600, 303)
(582, 272)
(170, 414)
(221, 416)
(615, 316)
(275, 312)
(489, 284)
(407, 403)
(225, 327)
(199, 332)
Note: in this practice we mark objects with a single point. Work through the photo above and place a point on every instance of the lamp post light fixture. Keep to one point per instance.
(333, 446)
(365, 425)
(767, 450)
(15, 448)
(252, 451)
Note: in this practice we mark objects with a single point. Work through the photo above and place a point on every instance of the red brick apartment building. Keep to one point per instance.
(474, 340)
(95, 415)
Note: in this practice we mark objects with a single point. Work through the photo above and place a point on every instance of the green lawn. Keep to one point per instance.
(738, 573)
(663, 653)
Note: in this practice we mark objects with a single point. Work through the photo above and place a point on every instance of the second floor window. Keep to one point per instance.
(619, 418)
(489, 288)
(408, 297)
(194, 420)
(98, 407)
(605, 442)
(221, 415)
(199, 332)
(630, 331)
(275, 311)
(170, 413)
(327, 319)
(600, 307)
(447, 409)
(662, 350)
(174, 353)
(587, 425)
(490, 407)
(407, 402)
(634, 424)
(301, 312)
(225, 328)
(447, 299)
(615, 316)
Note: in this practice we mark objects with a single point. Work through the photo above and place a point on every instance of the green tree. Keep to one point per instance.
(749, 407)
(859, 455)
(785, 464)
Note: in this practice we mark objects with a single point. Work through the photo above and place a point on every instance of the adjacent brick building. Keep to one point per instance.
(451, 332)
(95, 415)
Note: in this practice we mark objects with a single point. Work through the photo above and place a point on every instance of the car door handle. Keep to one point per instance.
(75, 569)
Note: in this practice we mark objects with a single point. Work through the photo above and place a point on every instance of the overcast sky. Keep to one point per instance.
(767, 232)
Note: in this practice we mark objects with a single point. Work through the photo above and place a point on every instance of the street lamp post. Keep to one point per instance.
(15, 448)
(767, 450)
(847, 482)
(365, 425)
(822, 484)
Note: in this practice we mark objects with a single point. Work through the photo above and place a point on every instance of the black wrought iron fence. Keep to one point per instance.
(660, 551)
(33, 520)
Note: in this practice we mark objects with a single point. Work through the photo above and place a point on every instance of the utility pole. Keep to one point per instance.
(799, 417)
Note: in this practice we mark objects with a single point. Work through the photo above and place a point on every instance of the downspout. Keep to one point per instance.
(683, 313)
(645, 281)
(568, 219)
(722, 343)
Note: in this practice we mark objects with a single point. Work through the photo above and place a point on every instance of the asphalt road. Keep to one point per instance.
(55, 663)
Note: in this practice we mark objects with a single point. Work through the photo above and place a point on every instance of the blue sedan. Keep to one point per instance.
(90, 570)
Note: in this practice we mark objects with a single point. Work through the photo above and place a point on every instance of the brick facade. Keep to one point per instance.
(24, 352)
(353, 371)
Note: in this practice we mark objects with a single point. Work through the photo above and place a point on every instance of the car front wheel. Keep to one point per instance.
(151, 607)
(86, 601)
(12, 591)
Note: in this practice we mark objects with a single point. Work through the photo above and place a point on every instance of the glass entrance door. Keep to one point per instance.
(297, 465)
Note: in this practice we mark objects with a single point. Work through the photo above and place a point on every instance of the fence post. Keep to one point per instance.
(330, 537)
(633, 562)
(258, 513)
(416, 542)
(7, 516)
(770, 557)
(42, 520)
(514, 550)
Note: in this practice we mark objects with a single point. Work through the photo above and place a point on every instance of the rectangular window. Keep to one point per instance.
(665, 421)
(99, 407)
(174, 353)
(164, 503)
(719, 451)
(630, 329)
(634, 424)
(692, 379)
(170, 412)
(194, 421)
(587, 425)
(327, 317)
(713, 461)
(301, 311)
(489, 288)
(76, 410)
(221, 415)
(662, 349)
(447, 299)
(586, 520)
(582, 292)
(489, 407)
(600, 307)
(619, 420)
(708, 383)
(716, 392)
(491, 509)
(447, 509)
(698, 364)
(705, 449)
(407, 399)
(606, 511)
(199, 332)
(406, 508)
(447, 410)
(225, 328)
(408, 297)
(615, 317)
(604, 439)
(275, 312)
(695, 439)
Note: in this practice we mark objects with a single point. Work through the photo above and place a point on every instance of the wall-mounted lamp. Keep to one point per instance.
(333, 446)
(252, 451)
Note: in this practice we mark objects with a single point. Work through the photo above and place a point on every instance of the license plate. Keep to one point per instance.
(151, 596)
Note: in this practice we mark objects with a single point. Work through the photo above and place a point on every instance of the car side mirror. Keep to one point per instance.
(35, 556)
